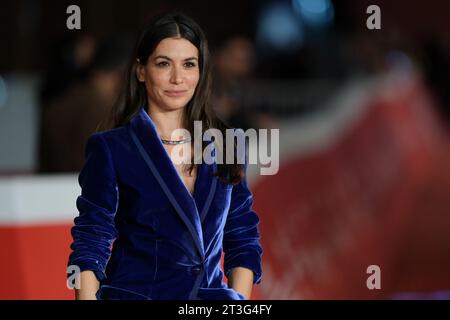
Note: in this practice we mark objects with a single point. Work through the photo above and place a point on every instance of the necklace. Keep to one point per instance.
(172, 142)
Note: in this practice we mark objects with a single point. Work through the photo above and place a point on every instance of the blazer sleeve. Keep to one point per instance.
(94, 231)
(241, 241)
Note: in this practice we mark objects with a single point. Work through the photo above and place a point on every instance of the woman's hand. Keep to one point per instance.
(241, 280)
(89, 286)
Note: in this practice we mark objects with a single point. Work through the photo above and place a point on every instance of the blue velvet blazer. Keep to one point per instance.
(143, 233)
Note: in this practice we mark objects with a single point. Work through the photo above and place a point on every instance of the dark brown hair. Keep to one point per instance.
(134, 94)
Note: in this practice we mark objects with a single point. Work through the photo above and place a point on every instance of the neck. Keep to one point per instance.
(166, 122)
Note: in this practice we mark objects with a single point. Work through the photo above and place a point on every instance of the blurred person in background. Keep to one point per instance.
(169, 222)
(73, 115)
(69, 63)
(234, 63)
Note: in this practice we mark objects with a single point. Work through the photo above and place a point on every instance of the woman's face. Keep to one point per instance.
(171, 74)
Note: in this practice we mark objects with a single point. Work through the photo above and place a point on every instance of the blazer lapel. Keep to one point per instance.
(205, 188)
(143, 132)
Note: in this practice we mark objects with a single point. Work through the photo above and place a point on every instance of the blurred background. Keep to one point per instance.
(364, 118)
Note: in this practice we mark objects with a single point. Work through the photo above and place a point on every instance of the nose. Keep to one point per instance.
(176, 76)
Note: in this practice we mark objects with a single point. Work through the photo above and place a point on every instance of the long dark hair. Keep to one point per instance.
(134, 94)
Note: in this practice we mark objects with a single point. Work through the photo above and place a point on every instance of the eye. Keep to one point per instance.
(162, 64)
(189, 64)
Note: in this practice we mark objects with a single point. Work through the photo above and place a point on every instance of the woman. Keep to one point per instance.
(169, 222)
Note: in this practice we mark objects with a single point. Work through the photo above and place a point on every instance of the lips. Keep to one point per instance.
(175, 93)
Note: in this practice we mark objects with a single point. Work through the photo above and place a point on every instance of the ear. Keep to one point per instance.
(140, 72)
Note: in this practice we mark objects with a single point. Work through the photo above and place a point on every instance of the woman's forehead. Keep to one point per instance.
(176, 48)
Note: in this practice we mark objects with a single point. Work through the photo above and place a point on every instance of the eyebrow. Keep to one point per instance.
(166, 57)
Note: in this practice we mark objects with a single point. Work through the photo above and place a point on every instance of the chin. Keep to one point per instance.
(174, 105)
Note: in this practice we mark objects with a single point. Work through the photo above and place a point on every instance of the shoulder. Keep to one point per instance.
(112, 141)
(112, 133)
(111, 137)
(106, 146)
